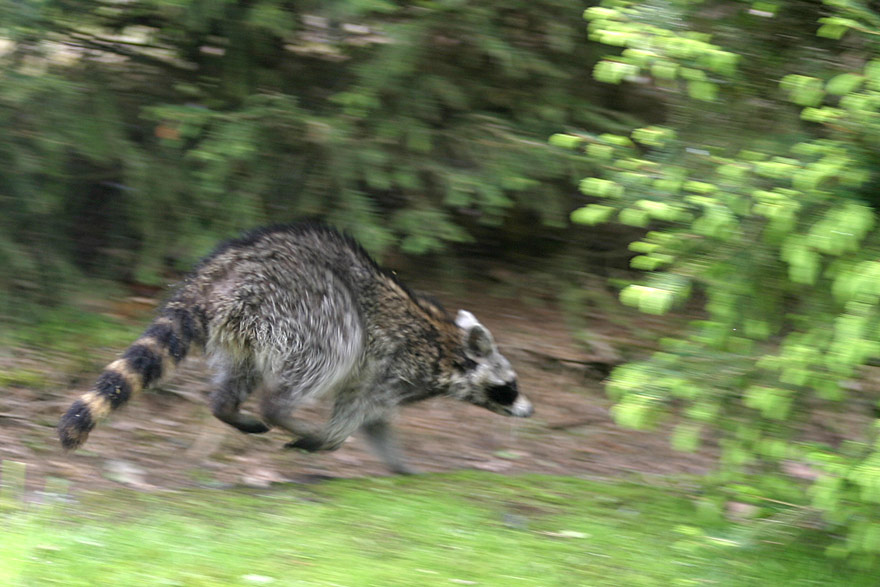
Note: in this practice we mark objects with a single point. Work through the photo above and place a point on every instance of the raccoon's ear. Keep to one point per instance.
(465, 320)
(478, 340)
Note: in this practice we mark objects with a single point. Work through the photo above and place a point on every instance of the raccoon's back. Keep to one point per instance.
(283, 288)
(282, 252)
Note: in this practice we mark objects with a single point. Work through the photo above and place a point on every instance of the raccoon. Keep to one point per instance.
(300, 312)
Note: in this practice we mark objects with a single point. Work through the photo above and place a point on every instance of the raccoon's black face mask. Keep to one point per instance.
(490, 381)
(505, 399)
(505, 394)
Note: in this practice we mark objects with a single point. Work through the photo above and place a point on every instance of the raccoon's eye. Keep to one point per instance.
(503, 394)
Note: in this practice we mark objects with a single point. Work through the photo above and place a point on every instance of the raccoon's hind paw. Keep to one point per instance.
(401, 469)
(252, 426)
(306, 443)
(315, 443)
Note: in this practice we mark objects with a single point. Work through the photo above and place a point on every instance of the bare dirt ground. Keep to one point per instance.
(168, 439)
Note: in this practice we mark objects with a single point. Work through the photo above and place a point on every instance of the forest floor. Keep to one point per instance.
(167, 438)
(563, 498)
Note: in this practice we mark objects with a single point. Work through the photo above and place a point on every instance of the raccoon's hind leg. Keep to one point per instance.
(281, 418)
(350, 411)
(236, 382)
(277, 405)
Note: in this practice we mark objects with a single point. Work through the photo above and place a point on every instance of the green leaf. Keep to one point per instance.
(601, 188)
(634, 217)
(643, 247)
(592, 214)
(721, 62)
(653, 136)
(733, 171)
(844, 84)
(832, 31)
(601, 152)
(834, 27)
(699, 187)
(665, 70)
(565, 141)
(619, 140)
(691, 74)
(659, 210)
(655, 301)
(803, 90)
(821, 115)
(644, 262)
(597, 12)
(614, 72)
(702, 90)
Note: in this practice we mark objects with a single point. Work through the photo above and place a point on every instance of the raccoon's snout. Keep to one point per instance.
(509, 400)
(521, 408)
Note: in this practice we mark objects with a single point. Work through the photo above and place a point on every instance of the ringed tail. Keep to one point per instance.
(153, 355)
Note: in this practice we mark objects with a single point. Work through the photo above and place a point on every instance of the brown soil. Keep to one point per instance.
(168, 438)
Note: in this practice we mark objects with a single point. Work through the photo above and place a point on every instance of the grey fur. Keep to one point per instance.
(302, 312)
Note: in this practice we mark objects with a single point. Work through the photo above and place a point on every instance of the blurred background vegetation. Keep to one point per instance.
(138, 134)
(726, 150)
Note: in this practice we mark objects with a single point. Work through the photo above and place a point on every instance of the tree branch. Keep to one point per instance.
(124, 49)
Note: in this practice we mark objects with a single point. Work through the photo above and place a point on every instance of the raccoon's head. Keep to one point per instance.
(488, 379)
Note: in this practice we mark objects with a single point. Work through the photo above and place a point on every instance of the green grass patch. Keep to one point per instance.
(22, 377)
(83, 319)
(59, 337)
(70, 329)
(456, 529)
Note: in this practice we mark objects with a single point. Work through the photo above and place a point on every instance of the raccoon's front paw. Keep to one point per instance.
(307, 443)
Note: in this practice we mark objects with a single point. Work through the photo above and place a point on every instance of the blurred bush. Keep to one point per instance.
(759, 201)
(136, 134)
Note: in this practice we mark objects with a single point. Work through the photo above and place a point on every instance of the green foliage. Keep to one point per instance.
(133, 138)
(775, 227)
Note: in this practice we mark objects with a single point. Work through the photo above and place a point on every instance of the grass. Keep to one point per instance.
(70, 329)
(465, 528)
(57, 337)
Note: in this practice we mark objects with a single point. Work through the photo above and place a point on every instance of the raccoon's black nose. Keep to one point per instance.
(503, 394)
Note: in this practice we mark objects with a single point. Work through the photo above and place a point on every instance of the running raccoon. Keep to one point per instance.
(302, 311)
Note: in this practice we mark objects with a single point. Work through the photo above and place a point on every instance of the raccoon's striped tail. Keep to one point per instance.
(158, 350)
